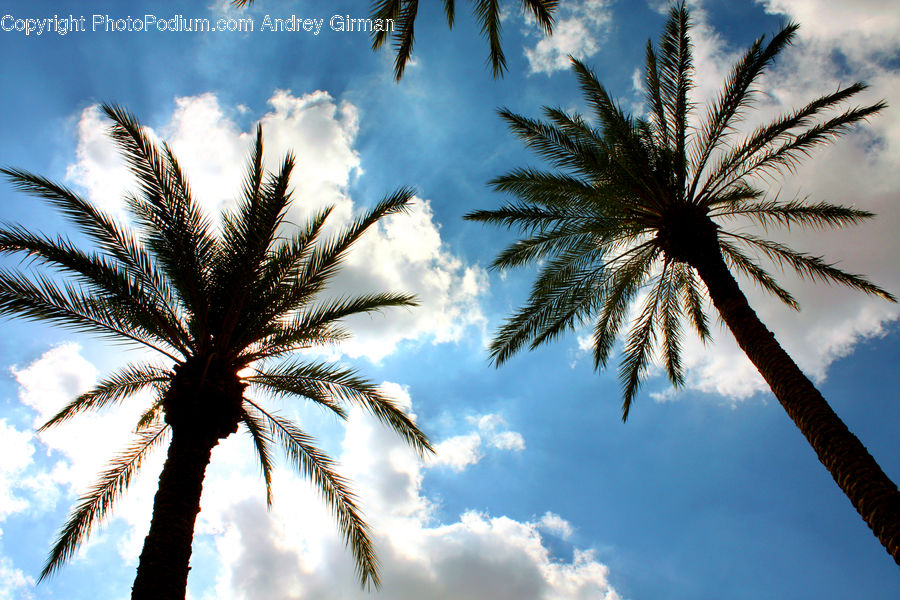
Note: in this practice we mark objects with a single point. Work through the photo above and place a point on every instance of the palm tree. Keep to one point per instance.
(402, 13)
(639, 210)
(226, 311)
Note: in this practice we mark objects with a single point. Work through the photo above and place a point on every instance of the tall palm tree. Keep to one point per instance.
(640, 210)
(402, 13)
(225, 311)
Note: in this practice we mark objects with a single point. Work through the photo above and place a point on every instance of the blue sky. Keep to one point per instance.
(538, 491)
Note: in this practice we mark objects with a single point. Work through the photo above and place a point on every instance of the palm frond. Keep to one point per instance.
(115, 388)
(97, 502)
(745, 265)
(550, 310)
(653, 93)
(818, 215)
(775, 148)
(43, 300)
(550, 190)
(248, 239)
(385, 9)
(318, 324)
(278, 285)
(675, 65)
(177, 231)
(279, 339)
(331, 311)
(104, 278)
(103, 230)
(551, 143)
(262, 442)
(638, 348)
(450, 12)
(543, 12)
(628, 280)
(693, 300)
(812, 267)
(545, 246)
(331, 385)
(319, 468)
(612, 118)
(736, 95)
(404, 36)
(151, 416)
(670, 317)
(325, 259)
(488, 14)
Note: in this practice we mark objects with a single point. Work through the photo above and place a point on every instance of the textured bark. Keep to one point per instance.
(871, 491)
(163, 567)
(202, 406)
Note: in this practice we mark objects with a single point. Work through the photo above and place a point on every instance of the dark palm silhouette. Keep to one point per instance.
(225, 311)
(403, 14)
(645, 205)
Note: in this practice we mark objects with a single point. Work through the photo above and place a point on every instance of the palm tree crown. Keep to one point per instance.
(635, 198)
(641, 210)
(227, 310)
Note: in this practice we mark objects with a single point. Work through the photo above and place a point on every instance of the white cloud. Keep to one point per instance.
(17, 451)
(862, 29)
(556, 525)
(290, 555)
(78, 450)
(490, 426)
(508, 440)
(38, 470)
(51, 382)
(579, 31)
(404, 253)
(460, 451)
(14, 584)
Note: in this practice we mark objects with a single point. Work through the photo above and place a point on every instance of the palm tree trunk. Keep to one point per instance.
(872, 493)
(163, 567)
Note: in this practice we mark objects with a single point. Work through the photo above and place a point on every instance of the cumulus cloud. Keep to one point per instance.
(861, 29)
(404, 253)
(46, 386)
(477, 556)
(38, 471)
(556, 525)
(78, 450)
(580, 29)
(13, 582)
(17, 451)
(460, 451)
